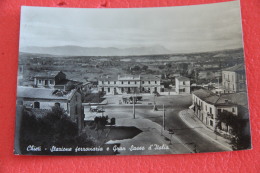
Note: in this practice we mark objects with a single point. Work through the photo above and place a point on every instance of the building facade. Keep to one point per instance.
(182, 85)
(234, 79)
(45, 99)
(48, 79)
(129, 84)
(208, 107)
(55, 79)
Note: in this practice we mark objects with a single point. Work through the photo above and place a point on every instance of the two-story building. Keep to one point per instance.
(208, 106)
(234, 79)
(182, 85)
(129, 84)
(54, 79)
(44, 99)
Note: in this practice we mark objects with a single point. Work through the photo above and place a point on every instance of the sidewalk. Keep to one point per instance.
(152, 135)
(193, 122)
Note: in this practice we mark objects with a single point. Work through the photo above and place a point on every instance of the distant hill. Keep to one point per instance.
(95, 51)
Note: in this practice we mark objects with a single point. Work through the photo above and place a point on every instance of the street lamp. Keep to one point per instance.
(134, 106)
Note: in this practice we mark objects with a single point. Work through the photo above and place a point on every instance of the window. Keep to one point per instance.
(211, 123)
(210, 110)
(45, 82)
(57, 104)
(36, 105)
(40, 81)
(114, 82)
(128, 82)
(122, 90)
(182, 90)
(102, 82)
(233, 109)
(155, 82)
(122, 82)
(108, 82)
(149, 82)
(108, 90)
(142, 82)
(51, 82)
(135, 82)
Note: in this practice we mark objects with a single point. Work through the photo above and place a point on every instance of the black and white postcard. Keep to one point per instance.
(138, 81)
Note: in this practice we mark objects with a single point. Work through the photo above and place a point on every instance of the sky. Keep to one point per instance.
(185, 29)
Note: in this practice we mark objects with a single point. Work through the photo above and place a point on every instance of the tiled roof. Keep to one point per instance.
(203, 93)
(43, 93)
(150, 77)
(108, 78)
(130, 77)
(236, 68)
(237, 98)
(47, 74)
(182, 78)
(224, 99)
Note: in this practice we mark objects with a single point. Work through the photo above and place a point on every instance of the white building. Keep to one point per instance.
(207, 106)
(54, 79)
(130, 84)
(234, 79)
(182, 85)
(44, 99)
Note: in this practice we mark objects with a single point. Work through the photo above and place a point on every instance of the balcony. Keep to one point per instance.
(210, 115)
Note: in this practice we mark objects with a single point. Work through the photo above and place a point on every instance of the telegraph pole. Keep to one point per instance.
(163, 118)
(134, 107)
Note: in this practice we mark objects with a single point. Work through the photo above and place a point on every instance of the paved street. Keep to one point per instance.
(189, 137)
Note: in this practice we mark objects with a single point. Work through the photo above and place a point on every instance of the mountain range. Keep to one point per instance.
(95, 51)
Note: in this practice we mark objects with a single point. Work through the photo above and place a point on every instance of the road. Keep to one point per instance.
(188, 136)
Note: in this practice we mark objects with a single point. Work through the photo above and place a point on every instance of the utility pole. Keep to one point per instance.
(154, 104)
(134, 107)
(163, 118)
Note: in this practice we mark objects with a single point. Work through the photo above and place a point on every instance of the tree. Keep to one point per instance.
(145, 67)
(238, 139)
(100, 123)
(136, 68)
(70, 86)
(53, 129)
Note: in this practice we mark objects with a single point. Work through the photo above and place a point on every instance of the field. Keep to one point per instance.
(90, 68)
